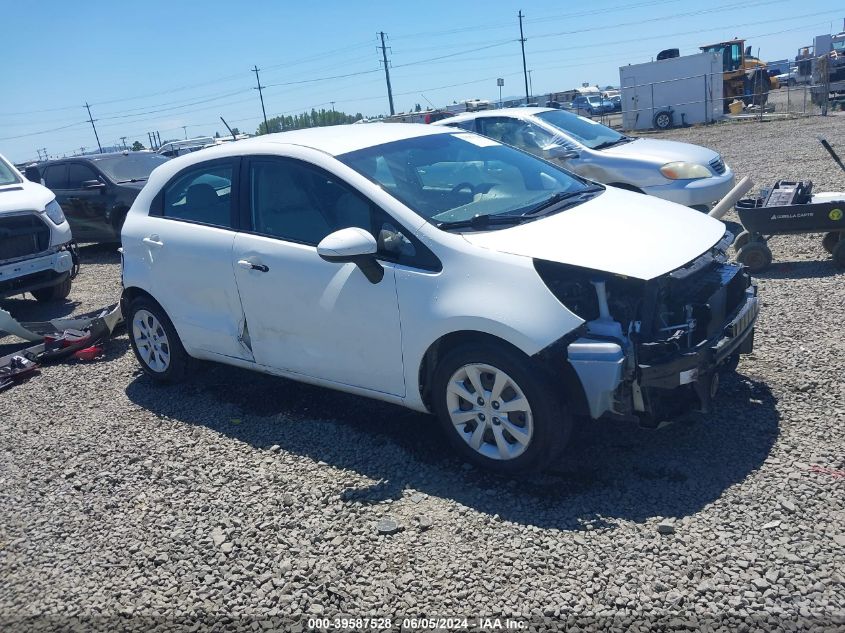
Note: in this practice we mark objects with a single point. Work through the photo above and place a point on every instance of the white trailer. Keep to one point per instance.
(688, 88)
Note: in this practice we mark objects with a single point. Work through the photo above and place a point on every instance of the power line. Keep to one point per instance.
(387, 73)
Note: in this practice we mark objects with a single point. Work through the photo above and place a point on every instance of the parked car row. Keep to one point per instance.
(473, 280)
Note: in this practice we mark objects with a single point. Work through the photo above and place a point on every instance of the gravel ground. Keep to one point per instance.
(243, 501)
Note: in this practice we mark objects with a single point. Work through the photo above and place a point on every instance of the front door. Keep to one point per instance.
(303, 314)
(87, 204)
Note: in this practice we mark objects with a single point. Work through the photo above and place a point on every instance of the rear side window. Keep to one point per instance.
(202, 195)
(55, 177)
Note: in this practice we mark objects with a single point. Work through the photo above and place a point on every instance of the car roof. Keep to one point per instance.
(520, 112)
(334, 139)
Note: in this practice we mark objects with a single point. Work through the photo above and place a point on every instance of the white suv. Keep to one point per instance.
(37, 254)
(439, 270)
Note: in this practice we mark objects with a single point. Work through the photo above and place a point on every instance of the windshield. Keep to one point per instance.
(129, 167)
(839, 45)
(589, 133)
(7, 174)
(449, 178)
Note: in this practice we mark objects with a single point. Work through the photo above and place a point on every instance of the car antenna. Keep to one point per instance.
(228, 128)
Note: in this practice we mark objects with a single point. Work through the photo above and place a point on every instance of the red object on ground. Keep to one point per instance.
(89, 353)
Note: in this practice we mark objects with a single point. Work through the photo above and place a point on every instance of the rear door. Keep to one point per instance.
(186, 241)
(305, 315)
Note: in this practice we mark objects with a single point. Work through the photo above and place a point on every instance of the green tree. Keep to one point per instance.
(315, 118)
(137, 146)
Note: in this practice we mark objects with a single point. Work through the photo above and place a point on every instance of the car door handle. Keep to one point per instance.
(152, 240)
(243, 263)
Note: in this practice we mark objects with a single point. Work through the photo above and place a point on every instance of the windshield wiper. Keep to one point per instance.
(561, 196)
(619, 141)
(120, 182)
(481, 221)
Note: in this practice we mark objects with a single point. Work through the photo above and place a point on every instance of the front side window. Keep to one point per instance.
(202, 195)
(522, 134)
(450, 178)
(7, 174)
(297, 202)
(77, 174)
(586, 131)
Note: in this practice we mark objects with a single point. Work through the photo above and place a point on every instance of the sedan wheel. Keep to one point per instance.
(489, 411)
(151, 341)
(499, 408)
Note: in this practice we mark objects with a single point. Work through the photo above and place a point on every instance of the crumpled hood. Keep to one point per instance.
(24, 196)
(618, 232)
(662, 152)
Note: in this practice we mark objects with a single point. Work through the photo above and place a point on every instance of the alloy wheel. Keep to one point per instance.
(489, 411)
(151, 341)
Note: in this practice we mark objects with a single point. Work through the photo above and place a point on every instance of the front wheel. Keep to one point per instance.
(499, 409)
(53, 293)
(830, 240)
(755, 255)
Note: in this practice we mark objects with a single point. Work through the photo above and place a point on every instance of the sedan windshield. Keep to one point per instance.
(589, 133)
(7, 174)
(451, 179)
(132, 167)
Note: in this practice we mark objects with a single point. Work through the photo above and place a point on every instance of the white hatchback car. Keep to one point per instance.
(439, 270)
(681, 172)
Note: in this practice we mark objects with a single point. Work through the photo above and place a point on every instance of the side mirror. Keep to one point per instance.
(352, 245)
(32, 174)
(562, 153)
(93, 184)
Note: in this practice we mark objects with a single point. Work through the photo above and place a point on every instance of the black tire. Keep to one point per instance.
(830, 240)
(551, 424)
(663, 120)
(756, 256)
(741, 240)
(53, 293)
(178, 364)
(839, 253)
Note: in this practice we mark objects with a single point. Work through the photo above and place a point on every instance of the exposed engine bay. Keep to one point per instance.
(665, 338)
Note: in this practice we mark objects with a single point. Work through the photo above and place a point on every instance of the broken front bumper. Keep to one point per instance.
(657, 391)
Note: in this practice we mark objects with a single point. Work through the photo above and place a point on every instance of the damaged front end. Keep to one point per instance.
(653, 349)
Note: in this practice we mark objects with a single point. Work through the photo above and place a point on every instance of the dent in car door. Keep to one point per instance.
(305, 315)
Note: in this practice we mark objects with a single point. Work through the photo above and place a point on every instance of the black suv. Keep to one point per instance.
(96, 191)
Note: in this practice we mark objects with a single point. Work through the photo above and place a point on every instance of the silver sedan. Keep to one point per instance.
(681, 172)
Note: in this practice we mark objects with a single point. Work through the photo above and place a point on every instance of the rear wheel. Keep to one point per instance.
(830, 240)
(499, 410)
(663, 120)
(53, 293)
(155, 342)
(756, 256)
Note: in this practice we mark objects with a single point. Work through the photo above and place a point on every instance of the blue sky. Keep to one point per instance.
(159, 65)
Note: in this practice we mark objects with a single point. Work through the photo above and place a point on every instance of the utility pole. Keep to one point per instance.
(185, 128)
(91, 120)
(332, 106)
(150, 138)
(261, 96)
(387, 74)
(531, 82)
(158, 134)
(123, 140)
(524, 68)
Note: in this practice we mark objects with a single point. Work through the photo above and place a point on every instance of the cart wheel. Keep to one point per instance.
(755, 255)
(839, 253)
(830, 239)
(742, 239)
